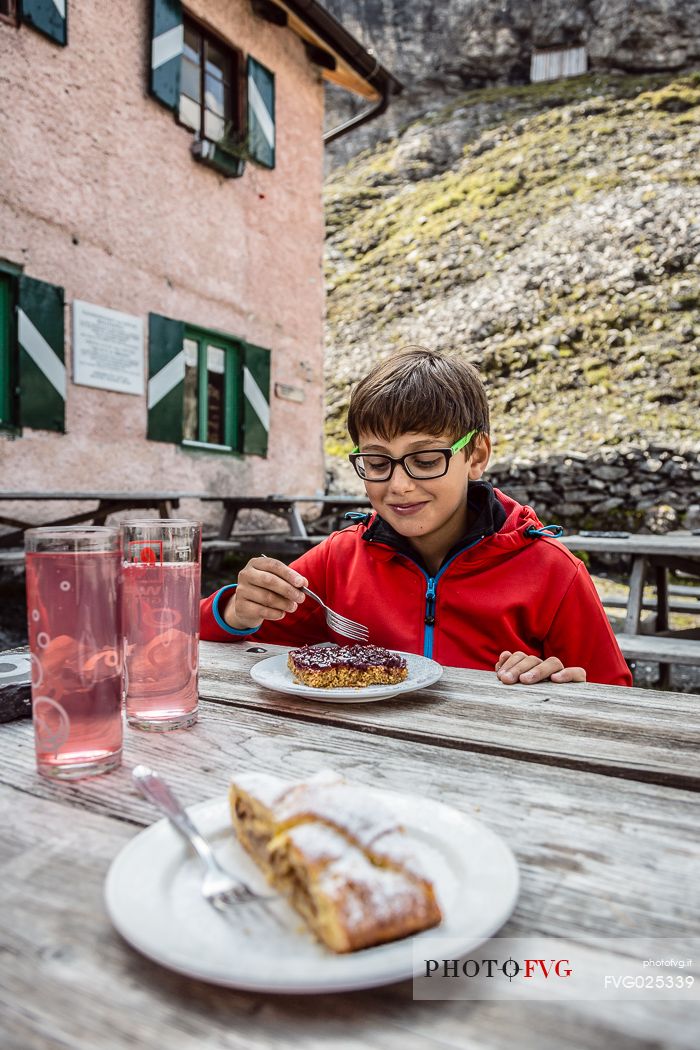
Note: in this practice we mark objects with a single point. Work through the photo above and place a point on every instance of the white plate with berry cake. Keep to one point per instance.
(356, 674)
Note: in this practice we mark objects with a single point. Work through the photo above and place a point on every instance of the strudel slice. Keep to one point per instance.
(339, 856)
(333, 666)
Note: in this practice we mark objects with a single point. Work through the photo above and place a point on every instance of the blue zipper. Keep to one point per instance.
(430, 594)
(428, 634)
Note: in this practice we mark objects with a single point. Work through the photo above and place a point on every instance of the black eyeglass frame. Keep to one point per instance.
(448, 453)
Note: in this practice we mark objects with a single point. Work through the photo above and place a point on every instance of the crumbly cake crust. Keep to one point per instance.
(346, 666)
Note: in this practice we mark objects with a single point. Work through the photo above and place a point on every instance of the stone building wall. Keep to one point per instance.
(100, 194)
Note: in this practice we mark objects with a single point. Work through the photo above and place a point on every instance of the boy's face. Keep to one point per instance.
(433, 508)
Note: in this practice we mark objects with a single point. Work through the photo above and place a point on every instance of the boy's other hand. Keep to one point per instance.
(519, 667)
(267, 590)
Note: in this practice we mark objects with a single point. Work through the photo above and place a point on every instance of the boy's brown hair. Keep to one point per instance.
(418, 390)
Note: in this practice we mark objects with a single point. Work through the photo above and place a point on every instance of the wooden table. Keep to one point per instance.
(651, 557)
(298, 535)
(107, 503)
(595, 788)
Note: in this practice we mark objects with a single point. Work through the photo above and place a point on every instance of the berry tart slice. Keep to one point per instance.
(346, 666)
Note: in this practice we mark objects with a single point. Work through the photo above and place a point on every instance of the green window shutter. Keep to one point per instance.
(7, 382)
(167, 37)
(256, 399)
(261, 114)
(166, 378)
(50, 17)
(42, 373)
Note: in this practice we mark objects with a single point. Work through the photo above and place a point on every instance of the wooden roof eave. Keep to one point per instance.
(344, 75)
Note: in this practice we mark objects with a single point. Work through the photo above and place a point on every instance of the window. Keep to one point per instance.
(212, 389)
(207, 389)
(7, 414)
(228, 103)
(209, 86)
(8, 11)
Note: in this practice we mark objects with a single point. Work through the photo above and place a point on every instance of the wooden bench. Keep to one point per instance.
(682, 648)
(14, 556)
(689, 606)
(258, 543)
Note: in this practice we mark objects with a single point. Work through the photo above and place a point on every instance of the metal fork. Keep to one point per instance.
(338, 623)
(219, 888)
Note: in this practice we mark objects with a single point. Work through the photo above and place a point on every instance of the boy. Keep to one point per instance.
(447, 566)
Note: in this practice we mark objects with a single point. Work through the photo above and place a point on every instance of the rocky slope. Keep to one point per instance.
(551, 235)
(440, 50)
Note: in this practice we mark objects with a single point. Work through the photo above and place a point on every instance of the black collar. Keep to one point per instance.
(486, 515)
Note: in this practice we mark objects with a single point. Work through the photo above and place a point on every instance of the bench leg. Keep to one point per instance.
(102, 513)
(661, 574)
(296, 523)
(636, 593)
(225, 529)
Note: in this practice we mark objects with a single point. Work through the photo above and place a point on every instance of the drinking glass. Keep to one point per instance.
(161, 589)
(74, 621)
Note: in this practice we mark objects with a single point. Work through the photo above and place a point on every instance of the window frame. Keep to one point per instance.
(234, 358)
(8, 353)
(237, 102)
(11, 18)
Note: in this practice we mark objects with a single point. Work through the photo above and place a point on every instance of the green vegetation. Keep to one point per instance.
(555, 249)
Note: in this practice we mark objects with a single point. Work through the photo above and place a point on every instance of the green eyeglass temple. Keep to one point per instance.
(458, 445)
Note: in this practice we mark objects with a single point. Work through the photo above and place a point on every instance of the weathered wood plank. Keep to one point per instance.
(637, 733)
(660, 648)
(68, 981)
(598, 856)
(595, 862)
(675, 544)
(636, 592)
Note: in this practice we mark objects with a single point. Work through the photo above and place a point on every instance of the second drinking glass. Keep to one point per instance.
(161, 590)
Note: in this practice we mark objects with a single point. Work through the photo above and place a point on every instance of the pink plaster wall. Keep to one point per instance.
(88, 156)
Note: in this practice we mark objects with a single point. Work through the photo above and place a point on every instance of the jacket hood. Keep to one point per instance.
(499, 525)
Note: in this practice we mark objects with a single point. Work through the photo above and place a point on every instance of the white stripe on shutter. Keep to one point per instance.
(60, 6)
(257, 399)
(168, 377)
(166, 46)
(260, 110)
(43, 355)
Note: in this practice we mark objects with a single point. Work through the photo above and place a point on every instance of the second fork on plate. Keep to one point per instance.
(219, 888)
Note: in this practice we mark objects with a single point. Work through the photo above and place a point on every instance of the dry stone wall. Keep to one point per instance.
(652, 490)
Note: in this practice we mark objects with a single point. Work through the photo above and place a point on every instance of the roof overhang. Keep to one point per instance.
(341, 58)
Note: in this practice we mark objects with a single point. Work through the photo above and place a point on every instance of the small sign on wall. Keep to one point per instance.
(107, 349)
(289, 393)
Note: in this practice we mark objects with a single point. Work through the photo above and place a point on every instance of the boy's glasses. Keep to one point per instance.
(424, 465)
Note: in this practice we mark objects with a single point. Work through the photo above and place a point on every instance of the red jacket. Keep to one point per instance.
(511, 589)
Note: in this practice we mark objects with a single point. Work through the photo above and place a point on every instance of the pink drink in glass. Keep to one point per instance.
(161, 633)
(73, 610)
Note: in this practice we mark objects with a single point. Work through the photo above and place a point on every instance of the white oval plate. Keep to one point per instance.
(273, 673)
(153, 898)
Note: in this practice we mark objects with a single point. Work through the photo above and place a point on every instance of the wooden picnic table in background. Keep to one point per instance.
(298, 535)
(107, 503)
(651, 557)
(595, 788)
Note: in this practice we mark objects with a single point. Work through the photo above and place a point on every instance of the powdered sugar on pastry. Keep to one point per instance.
(338, 854)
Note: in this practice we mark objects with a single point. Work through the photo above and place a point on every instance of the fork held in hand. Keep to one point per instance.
(218, 887)
(340, 624)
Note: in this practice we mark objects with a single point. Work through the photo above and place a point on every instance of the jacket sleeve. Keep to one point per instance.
(305, 626)
(580, 634)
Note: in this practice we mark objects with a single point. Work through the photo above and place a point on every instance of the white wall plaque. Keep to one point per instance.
(289, 393)
(107, 349)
